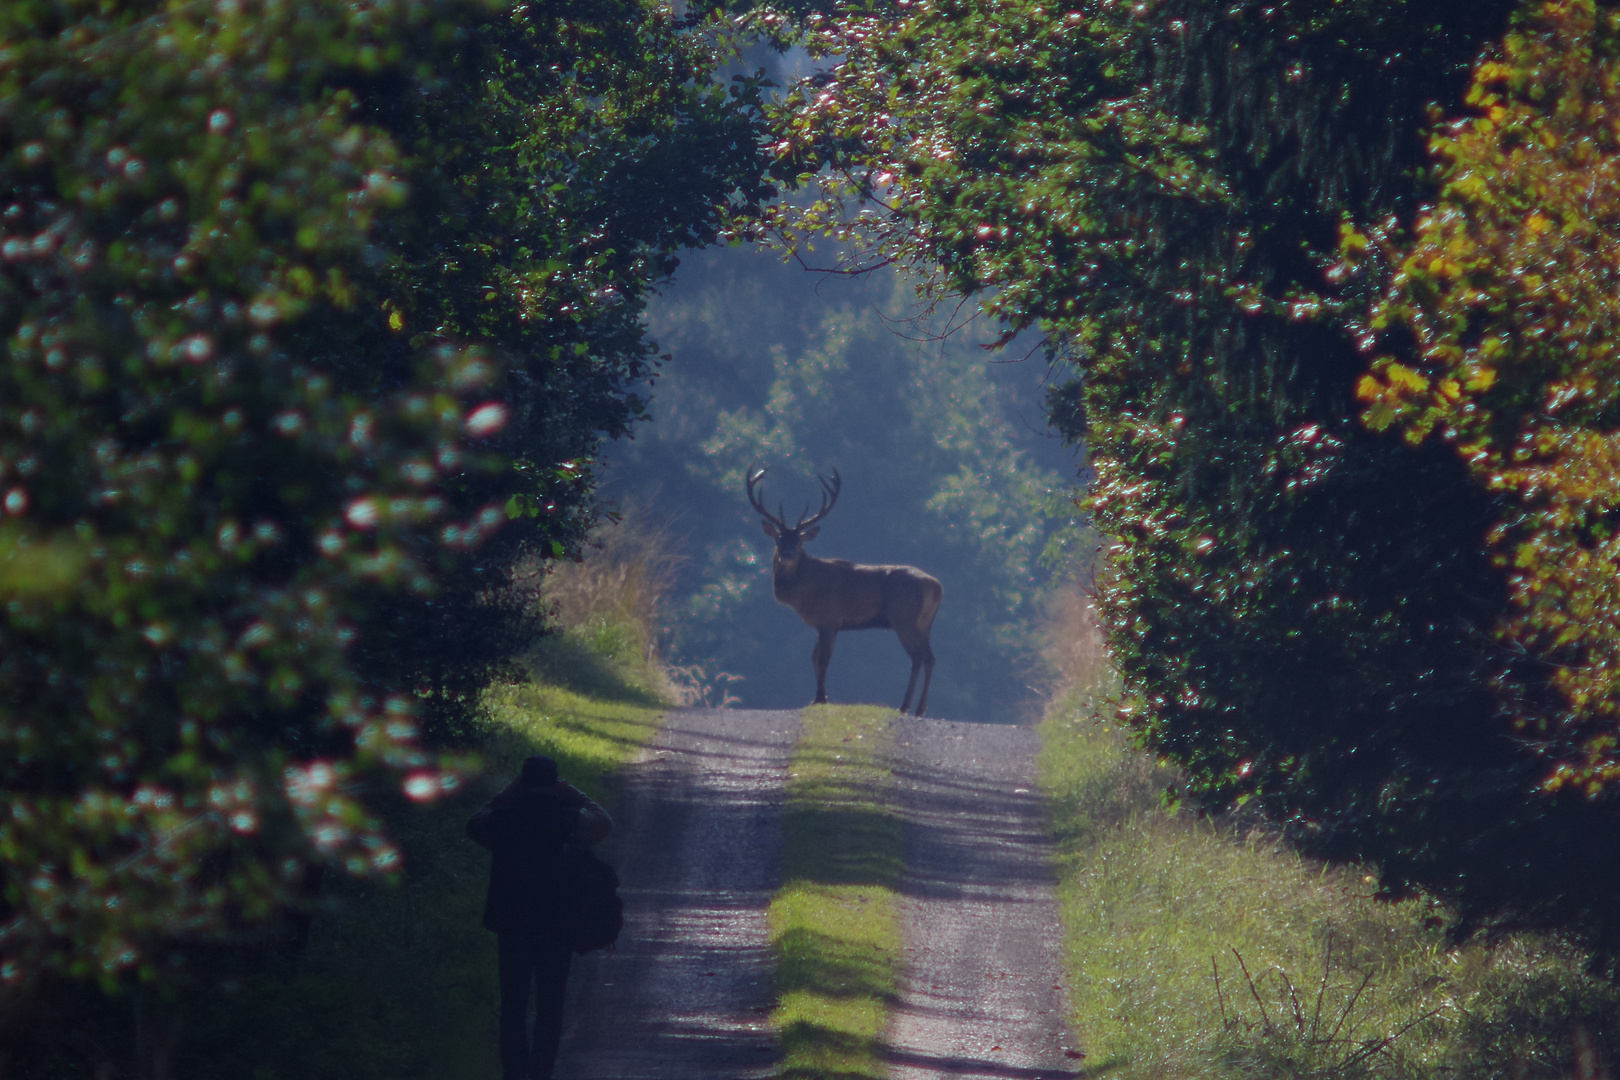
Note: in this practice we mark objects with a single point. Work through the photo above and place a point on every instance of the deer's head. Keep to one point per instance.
(790, 541)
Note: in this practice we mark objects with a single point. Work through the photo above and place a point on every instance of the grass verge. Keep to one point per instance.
(835, 924)
(1199, 949)
(591, 737)
(397, 980)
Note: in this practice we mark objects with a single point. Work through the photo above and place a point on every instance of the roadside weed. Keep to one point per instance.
(1201, 948)
(835, 923)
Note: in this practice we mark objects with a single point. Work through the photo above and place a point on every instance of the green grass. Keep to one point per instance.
(397, 981)
(602, 660)
(1201, 950)
(591, 737)
(835, 923)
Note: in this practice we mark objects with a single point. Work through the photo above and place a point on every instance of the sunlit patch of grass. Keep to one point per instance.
(835, 923)
(590, 737)
(588, 661)
(1212, 950)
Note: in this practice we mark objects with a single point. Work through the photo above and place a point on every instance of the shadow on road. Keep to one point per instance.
(983, 992)
(959, 1066)
(687, 992)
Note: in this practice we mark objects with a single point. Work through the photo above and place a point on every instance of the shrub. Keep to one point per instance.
(1402, 646)
(313, 315)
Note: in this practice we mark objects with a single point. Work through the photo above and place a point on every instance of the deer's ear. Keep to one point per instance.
(770, 530)
(810, 534)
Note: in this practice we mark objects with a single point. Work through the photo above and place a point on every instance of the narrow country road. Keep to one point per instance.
(697, 843)
(982, 997)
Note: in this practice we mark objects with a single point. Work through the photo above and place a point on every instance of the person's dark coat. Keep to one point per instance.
(524, 829)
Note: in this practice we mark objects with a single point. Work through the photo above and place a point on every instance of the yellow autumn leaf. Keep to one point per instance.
(1379, 416)
(1404, 378)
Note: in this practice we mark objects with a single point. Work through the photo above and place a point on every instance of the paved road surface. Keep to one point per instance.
(697, 842)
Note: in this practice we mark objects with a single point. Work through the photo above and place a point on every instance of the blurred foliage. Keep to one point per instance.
(1371, 638)
(942, 464)
(1510, 288)
(314, 315)
(394, 980)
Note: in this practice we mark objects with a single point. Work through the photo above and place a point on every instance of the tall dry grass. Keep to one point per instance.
(606, 615)
(1073, 651)
(620, 586)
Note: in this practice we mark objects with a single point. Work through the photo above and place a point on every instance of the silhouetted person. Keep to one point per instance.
(525, 827)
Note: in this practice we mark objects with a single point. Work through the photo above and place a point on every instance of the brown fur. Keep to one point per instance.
(835, 594)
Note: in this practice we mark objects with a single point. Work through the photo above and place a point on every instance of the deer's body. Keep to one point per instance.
(835, 594)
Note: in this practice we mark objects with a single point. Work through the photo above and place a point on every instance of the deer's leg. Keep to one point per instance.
(820, 659)
(922, 660)
(909, 643)
(927, 660)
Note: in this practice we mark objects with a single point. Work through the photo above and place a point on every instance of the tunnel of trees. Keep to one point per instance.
(316, 316)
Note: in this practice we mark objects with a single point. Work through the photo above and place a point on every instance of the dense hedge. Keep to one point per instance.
(1204, 206)
(313, 315)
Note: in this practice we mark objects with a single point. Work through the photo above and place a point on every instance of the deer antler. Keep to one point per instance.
(754, 476)
(829, 498)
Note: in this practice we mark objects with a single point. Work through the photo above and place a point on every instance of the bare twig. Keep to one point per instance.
(1264, 1015)
(1220, 998)
(952, 327)
(1371, 1047)
(838, 271)
(1351, 1004)
(1293, 1001)
(1327, 970)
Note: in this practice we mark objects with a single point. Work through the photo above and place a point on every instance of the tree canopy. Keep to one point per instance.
(313, 314)
(1358, 564)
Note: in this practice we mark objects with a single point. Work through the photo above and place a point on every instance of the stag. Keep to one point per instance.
(835, 594)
